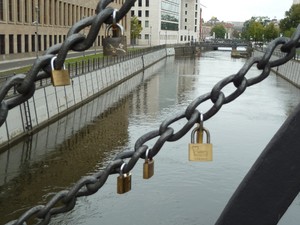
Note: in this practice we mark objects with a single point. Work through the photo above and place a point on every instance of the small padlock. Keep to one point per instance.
(59, 77)
(200, 151)
(115, 44)
(148, 167)
(123, 181)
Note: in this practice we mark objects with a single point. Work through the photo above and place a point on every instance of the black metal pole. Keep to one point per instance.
(272, 183)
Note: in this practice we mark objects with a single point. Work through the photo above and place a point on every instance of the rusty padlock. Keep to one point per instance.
(114, 44)
(199, 151)
(59, 77)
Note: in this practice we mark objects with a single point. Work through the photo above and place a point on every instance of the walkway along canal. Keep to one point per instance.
(50, 103)
(180, 192)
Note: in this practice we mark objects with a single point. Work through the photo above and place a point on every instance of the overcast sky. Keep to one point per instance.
(241, 10)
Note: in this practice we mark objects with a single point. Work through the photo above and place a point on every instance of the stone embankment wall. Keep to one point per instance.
(289, 71)
(51, 103)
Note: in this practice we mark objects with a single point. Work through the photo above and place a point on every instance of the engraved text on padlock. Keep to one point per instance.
(116, 43)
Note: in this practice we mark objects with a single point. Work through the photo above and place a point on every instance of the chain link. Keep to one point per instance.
(65, 200)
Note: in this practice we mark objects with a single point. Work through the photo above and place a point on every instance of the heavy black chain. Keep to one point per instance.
(41, 68)
(65, 200)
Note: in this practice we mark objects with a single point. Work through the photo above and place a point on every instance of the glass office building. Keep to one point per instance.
(170, 15)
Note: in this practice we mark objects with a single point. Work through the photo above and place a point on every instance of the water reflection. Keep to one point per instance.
(180, 192)
(57, 156)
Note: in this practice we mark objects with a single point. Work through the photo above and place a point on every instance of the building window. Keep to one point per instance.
(195, 21)
(2, 44)
(181, 38)
(185, 20)
(55, 12)
(146, 23)
(11, 43)
(140, 3)
(185, 5)
(50, 40)
(40, 42)
(185, 27)
(19, 43)
(10, 10)
(1, 11)
(26, 43)
(147, 36)
(25, 11)
(45, 42)
(33, 43)
(32, 10)
(19, 15)
(45, 14)
(147, 13)
(140, 13)
(132, 13)
(147, 3)
(185, 12)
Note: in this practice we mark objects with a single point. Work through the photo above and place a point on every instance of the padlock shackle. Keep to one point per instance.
(115, 17)
(52, 63)
(201, 121)
(196, 130)
(112, 25)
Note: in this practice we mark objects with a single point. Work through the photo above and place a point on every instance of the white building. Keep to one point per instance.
(167, 21)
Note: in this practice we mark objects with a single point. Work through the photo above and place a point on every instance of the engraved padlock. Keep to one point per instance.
(200, 151)
(123, 181)
(115, 43)
(148, 167)
(59, 77)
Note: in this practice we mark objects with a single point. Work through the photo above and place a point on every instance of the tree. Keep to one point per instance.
(135, 29)
(260, 29)
(270, 32)
(219, 31)
(290, 22)
(236, 34)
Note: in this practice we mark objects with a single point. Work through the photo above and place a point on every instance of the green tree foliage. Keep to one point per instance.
(135, 28)
(219, 31)
(291, 20)
(260, 29)
(270, 32)
(256, 31)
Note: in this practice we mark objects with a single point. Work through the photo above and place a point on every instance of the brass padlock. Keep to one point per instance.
(200, 151)
(148, 167)
(59, 77)
(123, 181)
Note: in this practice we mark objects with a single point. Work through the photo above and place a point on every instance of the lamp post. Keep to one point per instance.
(166, 34)
(150, 35)
(36, 23)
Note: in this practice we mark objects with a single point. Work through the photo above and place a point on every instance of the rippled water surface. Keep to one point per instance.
(180, 192)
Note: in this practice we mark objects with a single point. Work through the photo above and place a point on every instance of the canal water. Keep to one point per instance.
(180, 192)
